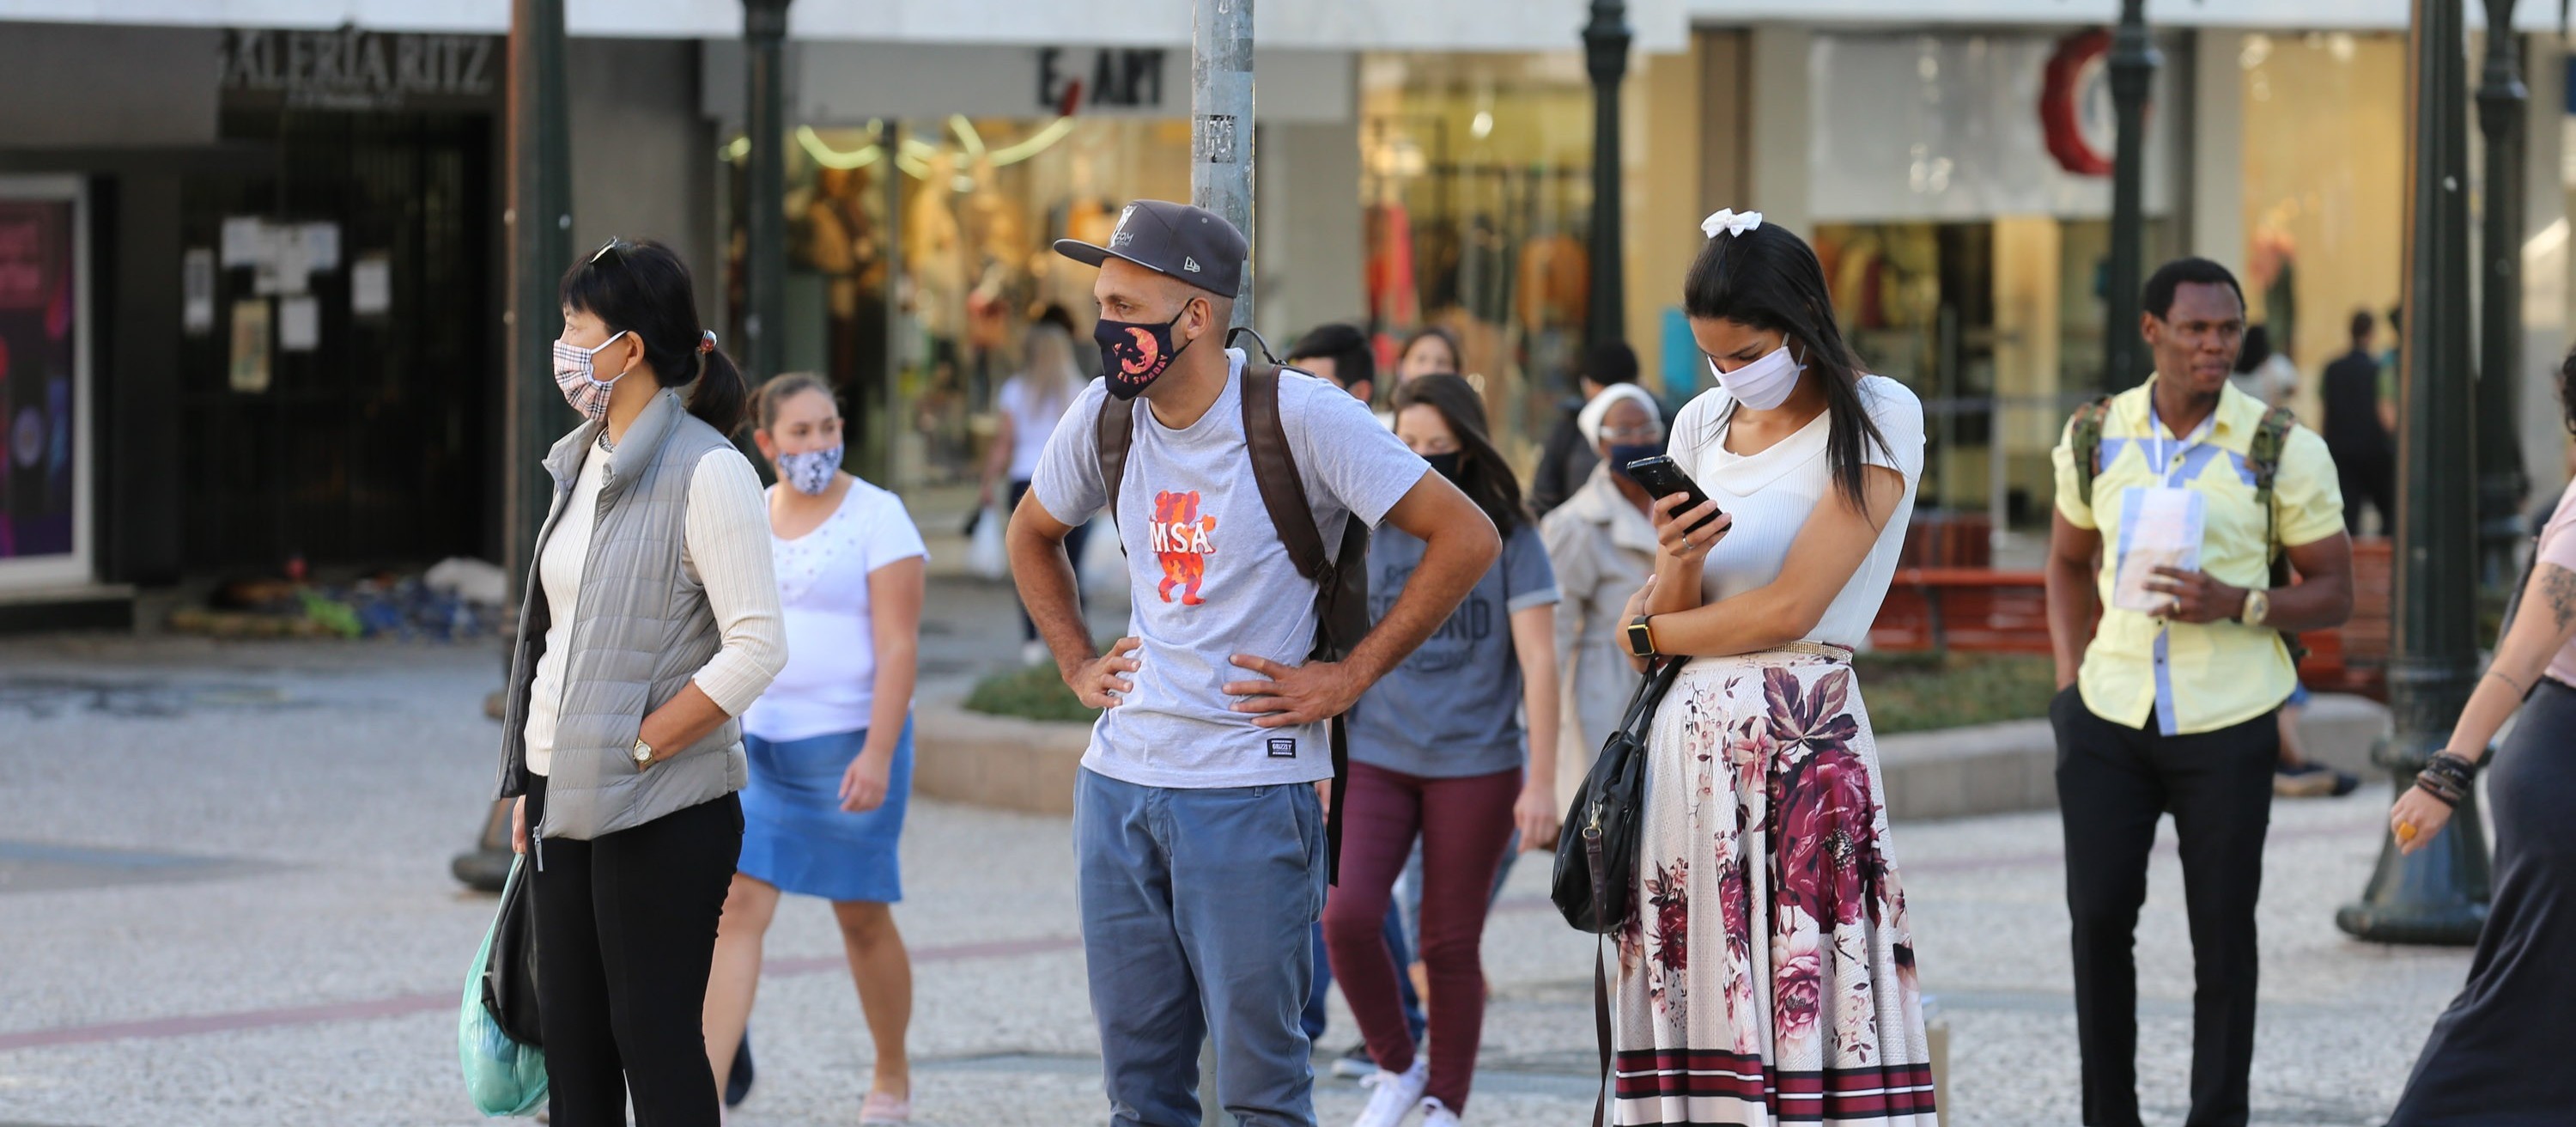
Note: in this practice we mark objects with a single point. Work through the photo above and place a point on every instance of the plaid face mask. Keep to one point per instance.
(810, 473)
(576, 375)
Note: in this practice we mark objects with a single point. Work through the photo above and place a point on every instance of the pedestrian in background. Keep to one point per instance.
(1340, 353)
(2167, 706)
(2264, 370)
(1455, 749)
(830, 744)
(2357, 432)
(1566, 461)
(651, 621)
(1767, 975)
(1602, 544)
(1430, 351)
(1029, 406)
(2495, 1058)
(1201, 845)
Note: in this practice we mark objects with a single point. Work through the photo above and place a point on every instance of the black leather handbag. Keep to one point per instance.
(1596, 856)
(510, 974)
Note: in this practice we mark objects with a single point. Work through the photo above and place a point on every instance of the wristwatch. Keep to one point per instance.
(1641, 637)
(2258, 606)
(643, 755)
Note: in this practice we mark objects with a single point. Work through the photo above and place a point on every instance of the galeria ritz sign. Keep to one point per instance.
(350, 69)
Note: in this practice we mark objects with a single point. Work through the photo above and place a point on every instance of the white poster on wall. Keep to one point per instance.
(197, 291)
(371, 285)
(299, 323)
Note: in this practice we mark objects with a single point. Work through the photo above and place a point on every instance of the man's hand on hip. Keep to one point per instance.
(1295, 696)
(1098, 681)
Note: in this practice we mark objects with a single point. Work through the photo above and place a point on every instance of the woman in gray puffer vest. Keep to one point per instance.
(651, 620)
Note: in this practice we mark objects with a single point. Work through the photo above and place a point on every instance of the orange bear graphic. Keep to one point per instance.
(1178, 536)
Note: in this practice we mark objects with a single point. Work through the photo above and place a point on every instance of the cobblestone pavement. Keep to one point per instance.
(224, 899)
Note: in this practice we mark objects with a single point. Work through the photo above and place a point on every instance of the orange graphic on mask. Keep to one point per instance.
(1178, 537)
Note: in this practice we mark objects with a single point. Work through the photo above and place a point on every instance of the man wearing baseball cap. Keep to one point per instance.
(1198, 835)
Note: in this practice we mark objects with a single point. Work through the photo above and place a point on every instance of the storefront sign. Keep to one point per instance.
(2075, 111)
(1110, 78)
(354, 70)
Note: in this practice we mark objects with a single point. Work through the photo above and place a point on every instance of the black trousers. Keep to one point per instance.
(2113, 783)
(626, 929)
(2372, 480)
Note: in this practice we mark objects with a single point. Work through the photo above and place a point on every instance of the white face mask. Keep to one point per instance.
(1764, 383)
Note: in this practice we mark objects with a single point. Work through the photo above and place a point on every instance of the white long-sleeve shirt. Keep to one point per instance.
(724, 545)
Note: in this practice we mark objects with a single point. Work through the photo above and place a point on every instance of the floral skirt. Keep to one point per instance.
(1768, 975)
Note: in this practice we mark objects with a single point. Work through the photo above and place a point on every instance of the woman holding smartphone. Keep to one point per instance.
(1768, 974)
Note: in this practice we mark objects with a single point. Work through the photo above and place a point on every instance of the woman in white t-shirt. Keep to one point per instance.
(1768, 973)
(831, 743)
(1031, 404)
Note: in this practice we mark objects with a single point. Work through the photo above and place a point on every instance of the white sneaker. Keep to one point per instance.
(1396, 1095)
(1437, 1114)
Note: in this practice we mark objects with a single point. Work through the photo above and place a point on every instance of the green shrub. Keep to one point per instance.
(1033, 693)
(1920, 692)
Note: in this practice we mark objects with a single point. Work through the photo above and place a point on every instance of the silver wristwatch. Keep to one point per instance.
(643, 754)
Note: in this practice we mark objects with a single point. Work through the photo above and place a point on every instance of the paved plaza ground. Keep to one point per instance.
(224, 899)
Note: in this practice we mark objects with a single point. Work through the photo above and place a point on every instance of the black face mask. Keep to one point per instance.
(1623, 453)
(1133, 355)
(1446, 465)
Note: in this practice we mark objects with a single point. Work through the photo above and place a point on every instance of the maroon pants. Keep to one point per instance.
(1464, 824)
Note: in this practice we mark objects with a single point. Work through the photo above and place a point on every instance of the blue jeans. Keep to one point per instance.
(1197, 921)
(1313, 1022)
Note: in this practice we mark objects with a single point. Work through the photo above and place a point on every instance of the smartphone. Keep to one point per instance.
(1663, 479)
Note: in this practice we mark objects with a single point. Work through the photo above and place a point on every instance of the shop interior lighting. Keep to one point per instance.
(914, 155)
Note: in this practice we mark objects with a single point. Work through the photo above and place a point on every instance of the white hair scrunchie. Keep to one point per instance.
(1590, 419)
(1729, 220)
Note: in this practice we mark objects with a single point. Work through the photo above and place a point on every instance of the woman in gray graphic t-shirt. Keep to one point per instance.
(1455, 748)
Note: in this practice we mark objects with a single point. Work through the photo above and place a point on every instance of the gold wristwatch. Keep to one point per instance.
(1641, 637)
(2258, 606)
(643, 755)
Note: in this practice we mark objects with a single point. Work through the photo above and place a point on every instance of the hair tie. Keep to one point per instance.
(1730, 221)
(707, 341)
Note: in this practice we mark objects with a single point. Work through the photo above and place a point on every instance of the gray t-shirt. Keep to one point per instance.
(1208, 576)
(1453, 708)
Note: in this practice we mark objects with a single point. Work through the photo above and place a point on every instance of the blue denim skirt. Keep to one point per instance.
(795, 834)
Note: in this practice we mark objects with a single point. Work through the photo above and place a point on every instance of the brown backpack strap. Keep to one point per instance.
(1274, 469)
(1114, 430)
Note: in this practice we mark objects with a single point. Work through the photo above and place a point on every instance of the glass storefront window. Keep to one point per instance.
(1475, 176)
(913, 296)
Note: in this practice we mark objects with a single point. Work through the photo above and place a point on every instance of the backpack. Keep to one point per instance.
(1341, 579)
(2262, 458)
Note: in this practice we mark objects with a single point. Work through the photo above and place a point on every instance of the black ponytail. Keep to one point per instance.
(1768, 278)
(643, 288)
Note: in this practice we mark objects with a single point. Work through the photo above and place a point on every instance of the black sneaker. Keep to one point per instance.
(738, 1082)
(1355, 1064)
(2313, 780)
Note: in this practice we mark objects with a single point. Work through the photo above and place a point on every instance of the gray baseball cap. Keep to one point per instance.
(1192, 244)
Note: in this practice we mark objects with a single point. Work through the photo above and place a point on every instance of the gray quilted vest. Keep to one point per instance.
(642, 629)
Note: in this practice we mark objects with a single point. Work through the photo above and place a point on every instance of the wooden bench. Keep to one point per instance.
(1984, 610)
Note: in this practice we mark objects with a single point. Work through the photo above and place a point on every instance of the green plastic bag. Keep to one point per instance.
(504, 1076)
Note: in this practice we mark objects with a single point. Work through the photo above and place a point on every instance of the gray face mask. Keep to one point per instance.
(810, 473)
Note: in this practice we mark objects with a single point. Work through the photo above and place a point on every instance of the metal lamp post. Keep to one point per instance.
(1605, 49)
(764, 227)
(2502, 102)
(2438, 894)
(2133, 65)
(539, 221)
(1221, 122)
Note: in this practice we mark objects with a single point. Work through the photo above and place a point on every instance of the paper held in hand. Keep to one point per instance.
(2158, 528)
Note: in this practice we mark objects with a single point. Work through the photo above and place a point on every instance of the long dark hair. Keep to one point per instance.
(1482, 474)
(643, 288)
(1768, 278)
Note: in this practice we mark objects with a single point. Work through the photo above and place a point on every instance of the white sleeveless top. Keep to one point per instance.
(829, 684)
(1771, 494)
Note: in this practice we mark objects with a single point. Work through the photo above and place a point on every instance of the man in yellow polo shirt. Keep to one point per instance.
(2168, 706)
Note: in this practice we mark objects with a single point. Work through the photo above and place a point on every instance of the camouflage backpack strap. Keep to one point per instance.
(2263, 461)
(2084, 435)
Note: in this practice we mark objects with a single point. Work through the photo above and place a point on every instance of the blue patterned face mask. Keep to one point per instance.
(810, 473)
